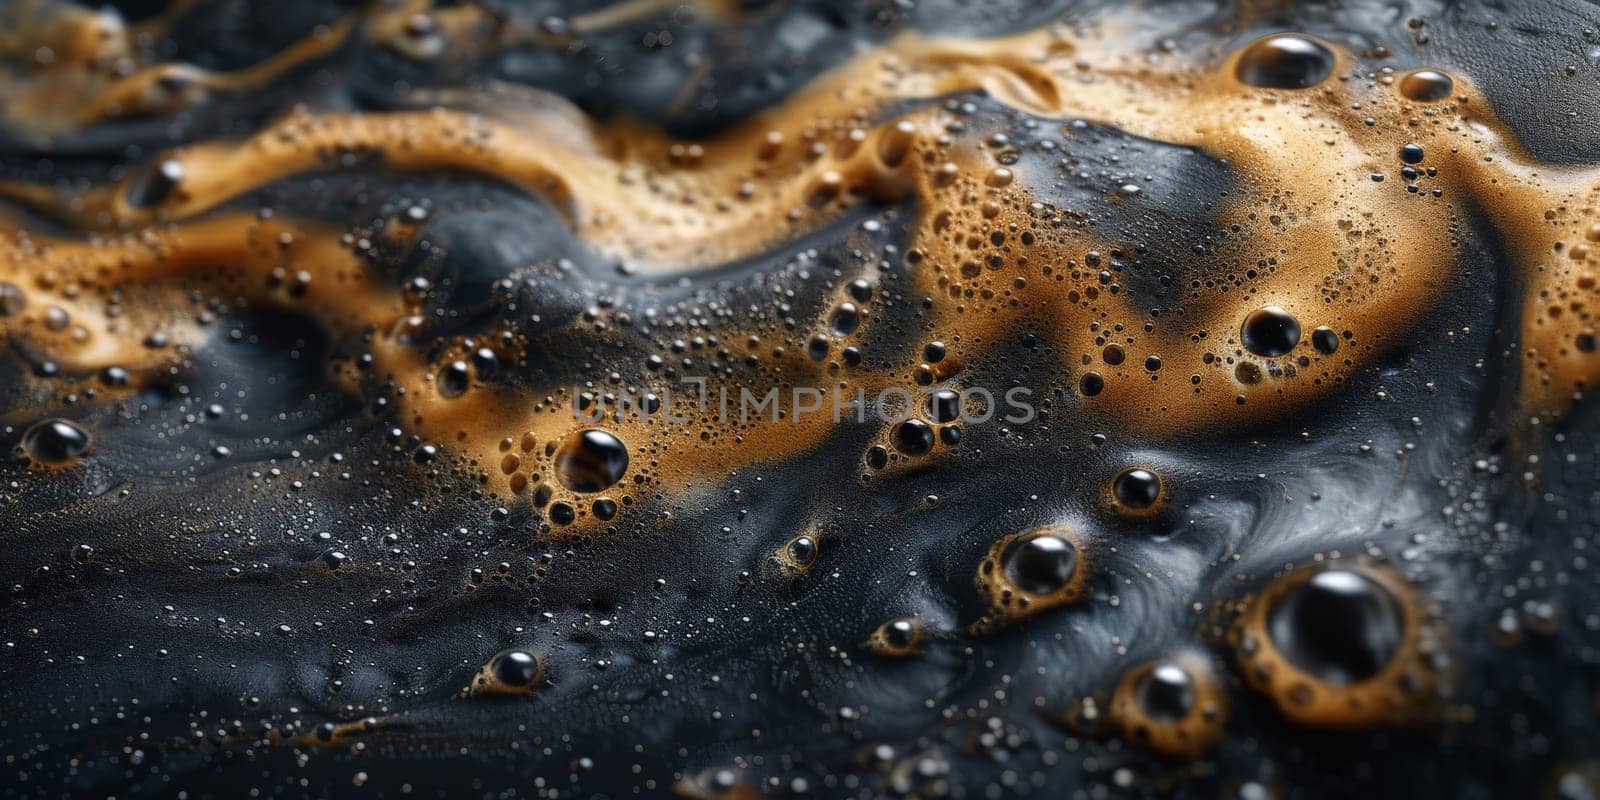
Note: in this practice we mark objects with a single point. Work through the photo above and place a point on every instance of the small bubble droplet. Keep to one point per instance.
(590, 460)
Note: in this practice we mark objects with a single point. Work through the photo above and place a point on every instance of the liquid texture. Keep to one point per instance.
(375, 383)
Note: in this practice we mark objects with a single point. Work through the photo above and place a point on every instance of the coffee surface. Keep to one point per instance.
(798, 398)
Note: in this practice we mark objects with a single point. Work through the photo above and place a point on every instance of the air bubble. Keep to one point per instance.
(511, 671)
(1136, 488)
(516, 668)
(944, 406)
(454, 379)
(1325, 340)
(801, 551)
(591, 460)
(913, 437)
(12, 299)
(897, 637)
(1426, 86)
(55, 441)
(1166, 692)
(156, 184)
(1284, 61)
(846, 318)
(1040, 565)
(1270, 331)
(1339, 625)
(1091, 384)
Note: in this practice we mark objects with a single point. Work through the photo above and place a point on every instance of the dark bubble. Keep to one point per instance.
(485, 362)
(56, 318)
(562, 513)
(913, 437)
(1325, 340)
(1091, 384)
(542, 495)
(1270, 331)
(934, 352)
(845, 319)
(155, 185)
(1166, 693)
(802, 550)
(1411, 153)
(900, 634)
(1041, 565)
(454, 379)
(1113, 354)
(944, 405)
(1137, 488)
(1427, 86)
(12, 299)
(1340, 625)
(590, 460)
(517, 668)
(1284, 61)
(817, 348)
(605, 508)
(55, 441)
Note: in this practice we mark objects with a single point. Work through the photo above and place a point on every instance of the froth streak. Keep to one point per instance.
(1331, 246)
